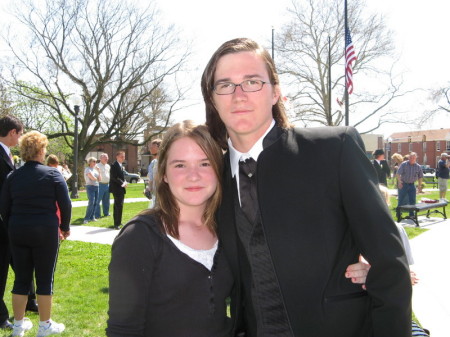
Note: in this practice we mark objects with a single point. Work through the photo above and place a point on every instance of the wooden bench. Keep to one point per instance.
(419, 208)
(433, 182)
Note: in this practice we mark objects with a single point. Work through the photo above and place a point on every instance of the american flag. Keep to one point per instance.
(350, 57)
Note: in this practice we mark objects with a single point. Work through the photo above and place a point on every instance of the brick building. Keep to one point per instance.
(132, 162)
(428, 144)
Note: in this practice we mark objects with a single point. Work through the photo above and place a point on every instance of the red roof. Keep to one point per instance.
(431, 135)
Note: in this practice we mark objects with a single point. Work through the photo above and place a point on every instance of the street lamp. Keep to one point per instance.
(76, 106)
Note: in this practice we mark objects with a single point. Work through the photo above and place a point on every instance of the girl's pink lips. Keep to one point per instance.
(194, 188)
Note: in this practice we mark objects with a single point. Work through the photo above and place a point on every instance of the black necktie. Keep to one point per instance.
(247, 187)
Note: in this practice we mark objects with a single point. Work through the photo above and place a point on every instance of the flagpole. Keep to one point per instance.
(329, 75)
(345, 70)
(273, 45)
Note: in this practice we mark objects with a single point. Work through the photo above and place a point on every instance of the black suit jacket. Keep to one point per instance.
(383, 171)
(117, 178)
(317, 220)
(5, 167)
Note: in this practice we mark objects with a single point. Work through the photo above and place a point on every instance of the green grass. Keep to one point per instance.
(81, 290)
(133, 191)
(130, 210)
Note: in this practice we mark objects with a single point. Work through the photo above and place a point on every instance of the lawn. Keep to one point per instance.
(81, 290)
(129, 209)
(133, 191)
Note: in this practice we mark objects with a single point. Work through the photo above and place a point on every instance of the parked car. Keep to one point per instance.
(428, 169)
(131, 177)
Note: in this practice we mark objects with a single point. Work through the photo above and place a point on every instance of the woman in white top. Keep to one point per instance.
(91, 177)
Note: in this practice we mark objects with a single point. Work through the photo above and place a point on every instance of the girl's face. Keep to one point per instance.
(189, 174)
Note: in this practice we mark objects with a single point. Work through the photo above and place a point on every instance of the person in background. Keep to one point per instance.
(397, 159)
(91, 177)
(381, 166)
(117, 186)
(11, 129)
(443, 175)
(66, 172)
(103, 189)
(153, 170)
(29, 197)
(288, 239)
(407, 174)
(53, 161)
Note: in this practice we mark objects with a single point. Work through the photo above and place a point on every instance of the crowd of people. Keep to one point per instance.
(237, 217)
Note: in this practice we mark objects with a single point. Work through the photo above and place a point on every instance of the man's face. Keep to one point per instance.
(154, 148)
(412, 159)
(120, 157)
(104, 159)
(245, 114)
(13, 137)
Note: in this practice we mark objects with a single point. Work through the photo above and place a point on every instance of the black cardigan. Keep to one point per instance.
(158, 291)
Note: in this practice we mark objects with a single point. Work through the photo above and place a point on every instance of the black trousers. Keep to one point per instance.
(118, 207)
(34, 249)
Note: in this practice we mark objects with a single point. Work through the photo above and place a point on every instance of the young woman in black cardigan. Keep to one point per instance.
(168, 276)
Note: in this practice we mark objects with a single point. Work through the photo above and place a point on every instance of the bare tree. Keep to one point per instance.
(303, 57)
(442, 98)
(115, 54)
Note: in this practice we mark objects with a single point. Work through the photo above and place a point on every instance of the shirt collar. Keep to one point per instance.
(6, 148)
(254, 152)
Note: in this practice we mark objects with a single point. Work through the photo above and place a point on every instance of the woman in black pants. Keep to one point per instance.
(29, 199)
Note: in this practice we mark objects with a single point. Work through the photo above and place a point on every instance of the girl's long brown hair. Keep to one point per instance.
(166, 206)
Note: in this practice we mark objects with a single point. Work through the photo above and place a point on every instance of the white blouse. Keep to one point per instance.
(205, 257)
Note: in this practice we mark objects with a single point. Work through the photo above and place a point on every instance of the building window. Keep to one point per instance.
(438, 146)
(399, 149)
(447, 145)
(410, 147)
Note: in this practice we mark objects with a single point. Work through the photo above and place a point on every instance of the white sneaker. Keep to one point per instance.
(19, 330)
(53, 329)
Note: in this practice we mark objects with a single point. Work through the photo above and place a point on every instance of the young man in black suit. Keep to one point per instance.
(10, 131)
(117, 186)
(289, 237)
(381, 166)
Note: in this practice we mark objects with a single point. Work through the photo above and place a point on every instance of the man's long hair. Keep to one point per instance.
(213, 121)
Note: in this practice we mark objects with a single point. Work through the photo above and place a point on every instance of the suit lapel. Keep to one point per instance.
(226, 218)
(6, 158)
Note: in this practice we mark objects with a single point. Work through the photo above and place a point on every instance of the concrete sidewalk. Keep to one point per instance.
(85, 202)
(431, 296)
(95, 234)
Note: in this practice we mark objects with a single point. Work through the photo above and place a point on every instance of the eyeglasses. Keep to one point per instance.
(227, 88)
